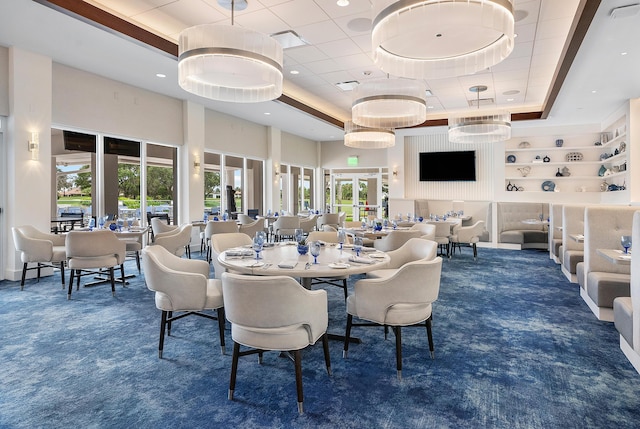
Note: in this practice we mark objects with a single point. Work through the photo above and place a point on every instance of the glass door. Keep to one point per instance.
(359, 195)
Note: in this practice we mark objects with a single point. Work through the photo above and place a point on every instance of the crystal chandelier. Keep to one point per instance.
(368, 138)
(435, 39)
(228, 63)
(389, 103)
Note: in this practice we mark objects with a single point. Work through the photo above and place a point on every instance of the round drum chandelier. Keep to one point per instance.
(389, 103)
(432, 39)
(368, 138)
(228, 63)
(480, 127)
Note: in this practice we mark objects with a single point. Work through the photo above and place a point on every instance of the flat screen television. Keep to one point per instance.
(448, 166)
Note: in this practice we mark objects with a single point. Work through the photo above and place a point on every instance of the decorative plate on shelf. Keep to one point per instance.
(574, 156)
(548, 186)
(511, 159)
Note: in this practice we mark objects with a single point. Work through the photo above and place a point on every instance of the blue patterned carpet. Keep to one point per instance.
(516, 347)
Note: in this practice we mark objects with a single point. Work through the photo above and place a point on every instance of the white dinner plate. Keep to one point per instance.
(339, 265)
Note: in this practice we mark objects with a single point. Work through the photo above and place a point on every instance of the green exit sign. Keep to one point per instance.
(352, 161)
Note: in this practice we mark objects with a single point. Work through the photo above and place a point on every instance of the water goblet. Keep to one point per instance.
(385, 223)
(225, 216)
(357, 245)
(315, 251)
(101, 221)
(206, 217)
(92, 224)
(129, 223)
(257, 246)
(541, 217)
(342, 237)
(299, 235)
(260, 235)
(625, 240)
(120, 223)
(364, 224)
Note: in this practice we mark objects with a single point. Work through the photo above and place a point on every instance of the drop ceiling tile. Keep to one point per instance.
(526, 33)
(263, 21)
(359, 61)
(524, 49)
(320, 32)
(531, 8)
(364, 41)
(553, 9)
(305, 54)
(355, 25)
(340, 48)
(324, 66)
(336, 77)
(554, 29)
(300, 12)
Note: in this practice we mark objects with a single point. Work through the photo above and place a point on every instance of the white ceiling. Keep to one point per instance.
(337, 53)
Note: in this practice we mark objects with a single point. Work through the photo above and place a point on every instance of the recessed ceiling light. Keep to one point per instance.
(161, 75)
(511, 92)
(267, 113)
(294, 72)
(509, 99)
(429, 107)
(623, 53)
(342, 3)
(593, 91)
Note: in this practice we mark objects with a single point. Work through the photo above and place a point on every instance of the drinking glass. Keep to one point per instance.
(225, 216)
(364, 224)
(206, 217)
(257, 246)
(357, 245)
(260, 235)
(315, 251)
(342, 237)
(299, 235)
(385, 223)
(92, 224)
(541, 217)
(625, 240)
(101, 221)
(130, 223)
(120, 223)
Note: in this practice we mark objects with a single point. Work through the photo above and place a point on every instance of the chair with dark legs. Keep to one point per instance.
(274, 313)
(39, 247)
(403, 299)
(181, 285)
(93, 252)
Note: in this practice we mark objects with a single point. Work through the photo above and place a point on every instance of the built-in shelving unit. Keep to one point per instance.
(587, 162)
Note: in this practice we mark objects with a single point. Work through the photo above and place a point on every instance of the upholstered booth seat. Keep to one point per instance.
(572, 250)
(555, 233)
(513, 231)
(623, 318)
(605, 280)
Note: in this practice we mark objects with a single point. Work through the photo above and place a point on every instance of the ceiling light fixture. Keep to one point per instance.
(229, 63)
(480, 128)
(342, 3)
(368, 138)
(457, 37)
(389, 103)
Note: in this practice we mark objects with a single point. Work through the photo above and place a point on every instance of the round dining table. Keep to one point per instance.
(283, 259)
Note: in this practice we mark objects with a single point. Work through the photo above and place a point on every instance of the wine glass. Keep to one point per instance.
(206, 217)
(299, 235)
(101, 221)
(261, 236)
(257, 245)
(364, 224)
(130, 223)
(92, 224)
(357, 245)
(315, 251)
(120, 223)
(625, 240)
(342, 237)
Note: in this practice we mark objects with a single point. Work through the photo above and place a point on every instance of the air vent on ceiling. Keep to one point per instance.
(347, 86)
(625, 11)
(481, 102)
(289, 39)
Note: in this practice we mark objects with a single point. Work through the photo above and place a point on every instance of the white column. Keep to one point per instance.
(28, 181)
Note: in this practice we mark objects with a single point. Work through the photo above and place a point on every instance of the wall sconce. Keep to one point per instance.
(276, 170)
(34, 145)
(196, 164)
(395, 173)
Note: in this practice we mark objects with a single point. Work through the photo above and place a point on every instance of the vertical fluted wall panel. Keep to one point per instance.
(481, 189)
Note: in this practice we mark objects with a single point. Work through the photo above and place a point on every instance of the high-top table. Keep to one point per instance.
(283, 259)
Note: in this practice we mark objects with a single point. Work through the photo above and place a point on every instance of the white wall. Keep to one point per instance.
(86, 101)
(235, 136)
(299, 151)
(4, 81)
(335, 154)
